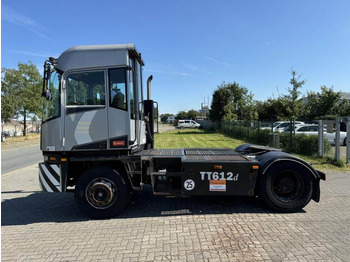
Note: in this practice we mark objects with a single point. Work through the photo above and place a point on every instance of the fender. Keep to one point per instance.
(267, 157)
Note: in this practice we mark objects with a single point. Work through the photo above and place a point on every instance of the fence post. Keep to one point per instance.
(337, 139)
(320, 139)
(348, 140)
(271, 127)
(240, 130)
(291, 134)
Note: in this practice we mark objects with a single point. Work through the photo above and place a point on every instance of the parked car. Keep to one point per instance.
(265, 125)
(6, 134)
(312, 129)
(181, 124)
(331, 137)
(279, 126)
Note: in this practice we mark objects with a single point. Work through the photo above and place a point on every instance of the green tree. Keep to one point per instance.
(295, 104)
(273, 109)
(232, 101)
(8, 108)
(221, 98)
(328, 101)
(181, 115)
(21, 91)
(239, 97)
(344, 108)
(325, 103)
(229, 114)
(164, 117)
(311, 107)
(191, 114)
(250, 108)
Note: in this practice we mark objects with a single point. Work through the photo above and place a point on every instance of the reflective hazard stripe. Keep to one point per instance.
(49, 178)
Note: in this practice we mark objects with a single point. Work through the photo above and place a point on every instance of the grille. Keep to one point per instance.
(234, 157)
(161, 152)
(210, 151)
(194, 154)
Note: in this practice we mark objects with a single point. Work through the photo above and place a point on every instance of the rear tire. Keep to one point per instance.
(102, 192)
(344, 143)
(286, 187)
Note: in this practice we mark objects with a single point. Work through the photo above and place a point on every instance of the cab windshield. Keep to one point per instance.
(52, 107)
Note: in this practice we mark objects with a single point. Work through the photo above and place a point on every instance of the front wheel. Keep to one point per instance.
(286, 187)
(102, 192)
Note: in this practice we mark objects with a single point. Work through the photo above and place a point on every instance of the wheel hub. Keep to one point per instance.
(287, 186)
(101, 193)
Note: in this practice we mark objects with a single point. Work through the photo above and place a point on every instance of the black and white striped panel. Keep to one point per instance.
(49, 177)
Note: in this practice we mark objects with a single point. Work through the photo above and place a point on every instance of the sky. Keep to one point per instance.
(191, 47)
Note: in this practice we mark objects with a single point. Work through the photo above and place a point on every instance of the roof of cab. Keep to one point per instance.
(77, 56)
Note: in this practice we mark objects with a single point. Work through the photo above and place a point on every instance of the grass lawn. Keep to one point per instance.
(199, 138)
(194, 138)
(20, 141)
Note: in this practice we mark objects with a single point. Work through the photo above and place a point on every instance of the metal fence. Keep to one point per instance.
(323, 138)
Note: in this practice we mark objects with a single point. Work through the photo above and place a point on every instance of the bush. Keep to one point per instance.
(332, 161)
(245, 130)
(300, 144)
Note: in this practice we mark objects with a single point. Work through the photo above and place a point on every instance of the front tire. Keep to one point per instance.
(102, 192)
(286, 187)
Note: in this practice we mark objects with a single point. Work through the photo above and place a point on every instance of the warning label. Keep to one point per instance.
(217, 185)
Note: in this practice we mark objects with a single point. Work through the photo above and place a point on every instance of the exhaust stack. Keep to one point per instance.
(148, 109)
(149, 87)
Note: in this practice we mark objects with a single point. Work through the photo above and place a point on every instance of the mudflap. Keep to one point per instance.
(316, 190)
(50, 177)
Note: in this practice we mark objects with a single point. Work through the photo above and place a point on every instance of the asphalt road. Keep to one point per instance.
(19, 158)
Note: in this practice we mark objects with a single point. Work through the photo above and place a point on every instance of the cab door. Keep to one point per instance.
(119, 133)
(85, 123)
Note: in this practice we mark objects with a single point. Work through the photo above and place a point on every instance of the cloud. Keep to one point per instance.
(34, 54)
(168, 72)
(197, 69)
(265, 44)
(220, 62)
(15, 17)
(11, 15)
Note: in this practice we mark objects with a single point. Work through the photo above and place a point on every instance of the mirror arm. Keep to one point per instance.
(45, 78)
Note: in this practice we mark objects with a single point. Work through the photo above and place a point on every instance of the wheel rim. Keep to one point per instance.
(101, 193)
(287, 186)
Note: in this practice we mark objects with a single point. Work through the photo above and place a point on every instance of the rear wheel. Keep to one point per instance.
(102, 192)
(344, 143)
(286, 187)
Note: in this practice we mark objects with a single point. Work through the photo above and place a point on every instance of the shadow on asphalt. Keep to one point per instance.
(41, 207)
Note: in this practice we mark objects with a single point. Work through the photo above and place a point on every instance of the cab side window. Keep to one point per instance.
(131, 89)
(117, 88)
(86, 88)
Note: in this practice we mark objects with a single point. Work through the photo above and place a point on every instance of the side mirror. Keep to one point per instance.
(48, 95)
